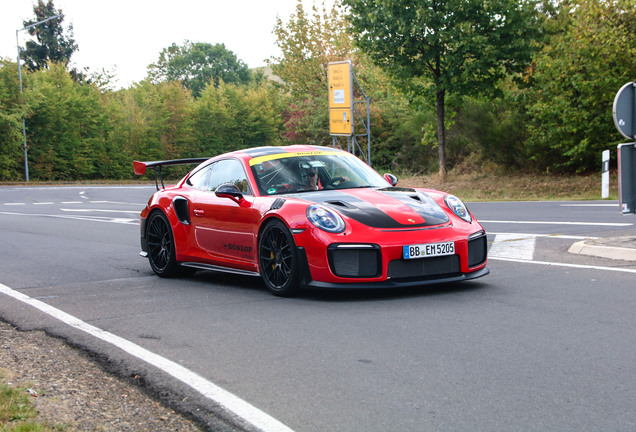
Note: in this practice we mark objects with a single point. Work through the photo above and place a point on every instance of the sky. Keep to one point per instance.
(125, 36)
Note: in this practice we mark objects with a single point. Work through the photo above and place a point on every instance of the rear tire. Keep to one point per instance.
(161, 251)
(277, 259)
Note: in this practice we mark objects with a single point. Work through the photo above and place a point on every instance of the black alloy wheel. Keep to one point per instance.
(161, 252)
(277, 258)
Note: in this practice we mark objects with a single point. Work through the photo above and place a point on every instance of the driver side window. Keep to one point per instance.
(228, 171)
(200, 179)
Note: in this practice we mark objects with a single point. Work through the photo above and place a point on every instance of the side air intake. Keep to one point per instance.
(181, 209)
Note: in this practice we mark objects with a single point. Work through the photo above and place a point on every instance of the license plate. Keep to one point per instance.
(428, 250)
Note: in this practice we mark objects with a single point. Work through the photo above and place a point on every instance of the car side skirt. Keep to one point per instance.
(202, 266)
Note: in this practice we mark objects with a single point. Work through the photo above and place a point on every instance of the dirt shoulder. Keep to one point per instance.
(70, 390)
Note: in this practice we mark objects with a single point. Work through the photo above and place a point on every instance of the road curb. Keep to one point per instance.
(587, 247)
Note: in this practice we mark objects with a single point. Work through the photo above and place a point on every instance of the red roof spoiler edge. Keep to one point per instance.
(140, 167)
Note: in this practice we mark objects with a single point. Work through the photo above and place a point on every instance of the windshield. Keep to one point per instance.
(310, 171)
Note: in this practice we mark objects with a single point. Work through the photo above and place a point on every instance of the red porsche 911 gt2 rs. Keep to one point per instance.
(308, 216)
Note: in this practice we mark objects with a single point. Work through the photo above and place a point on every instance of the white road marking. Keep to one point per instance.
(519, 246)
(611, 224)
(140, 206)
(225, 399)
(579, 266)
(119, 202)
(590, 205)
(556, 236)
(49, 188)
(125, 221)
(99, 211)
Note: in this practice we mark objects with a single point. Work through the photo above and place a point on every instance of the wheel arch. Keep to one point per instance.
(287, 289)
(178, 228)
(151, 213)
(162, 253)
(268, 220)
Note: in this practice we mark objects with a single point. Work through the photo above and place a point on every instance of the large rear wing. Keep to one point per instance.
(140, 167)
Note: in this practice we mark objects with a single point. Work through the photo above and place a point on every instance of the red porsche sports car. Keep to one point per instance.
(308, 216)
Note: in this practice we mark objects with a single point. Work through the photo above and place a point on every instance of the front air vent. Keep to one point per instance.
(477, 250)
(278, 203)
(424, 268)
(339, 204)
(355, 260)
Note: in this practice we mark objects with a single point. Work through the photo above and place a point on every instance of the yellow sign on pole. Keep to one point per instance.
(340, 81)
(340, 121)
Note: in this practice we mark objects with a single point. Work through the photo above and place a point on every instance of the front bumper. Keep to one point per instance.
(400, 273)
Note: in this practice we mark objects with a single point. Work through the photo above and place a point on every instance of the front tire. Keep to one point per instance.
(161, 251)
(278, 260)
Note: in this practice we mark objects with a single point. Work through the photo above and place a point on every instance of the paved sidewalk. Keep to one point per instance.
(620, 248)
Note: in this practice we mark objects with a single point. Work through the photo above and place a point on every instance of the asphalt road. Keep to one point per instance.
(545, 342)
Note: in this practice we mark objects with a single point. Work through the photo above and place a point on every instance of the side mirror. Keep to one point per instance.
(231, 191)
(393, 180)
(228, 190)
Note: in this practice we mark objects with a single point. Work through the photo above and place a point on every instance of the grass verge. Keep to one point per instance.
(17, 412)
(517, 187)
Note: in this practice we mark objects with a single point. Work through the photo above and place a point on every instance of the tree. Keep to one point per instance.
(308, 44)
(433, 48)
(64, 125)
(231, 117)
(52, 44)
(11, 113)
(197, 65)
(589, 56)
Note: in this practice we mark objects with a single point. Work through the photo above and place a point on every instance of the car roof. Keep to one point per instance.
(246, 155)
(255, 152)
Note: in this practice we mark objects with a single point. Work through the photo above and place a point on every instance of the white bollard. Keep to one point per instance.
(605, 176)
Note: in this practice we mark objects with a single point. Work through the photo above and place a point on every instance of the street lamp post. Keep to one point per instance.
(26, 159)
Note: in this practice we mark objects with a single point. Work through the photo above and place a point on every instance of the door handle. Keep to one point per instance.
(199, 212)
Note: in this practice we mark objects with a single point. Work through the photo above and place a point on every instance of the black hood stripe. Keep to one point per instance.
(420, 202)
(370, 215)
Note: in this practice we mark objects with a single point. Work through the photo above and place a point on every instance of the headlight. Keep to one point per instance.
(325, 219)
(458, 207)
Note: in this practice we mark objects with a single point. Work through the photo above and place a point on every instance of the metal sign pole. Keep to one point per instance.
(624, 111)
(343, 111)
(17, 40)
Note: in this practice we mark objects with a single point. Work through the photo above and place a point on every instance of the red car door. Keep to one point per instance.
(222, 228)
